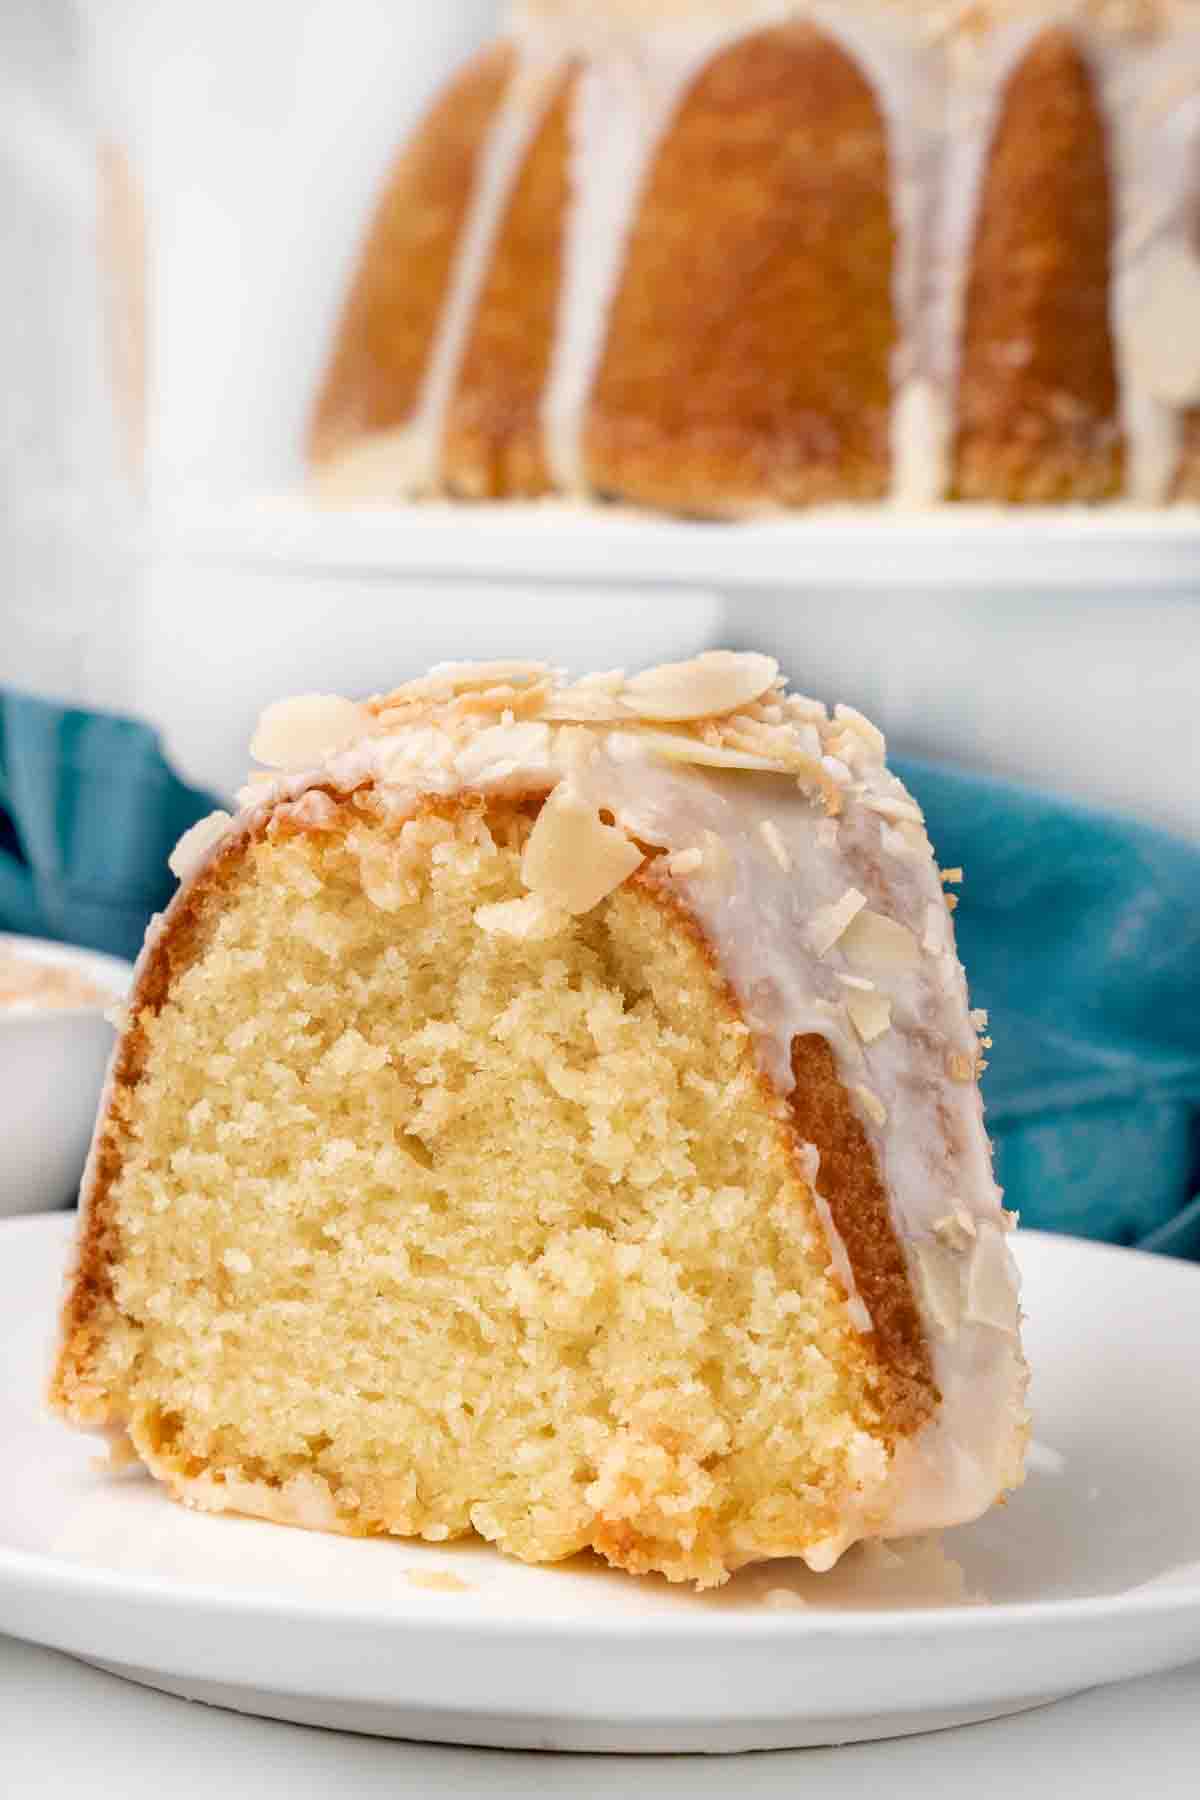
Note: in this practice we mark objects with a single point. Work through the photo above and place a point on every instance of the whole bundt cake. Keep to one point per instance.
(550, 1110)
(733, 257)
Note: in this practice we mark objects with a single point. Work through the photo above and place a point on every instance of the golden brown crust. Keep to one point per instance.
(747, 361)
(1186, 485)
(818, 1112)
(1037, 402)
(393, 309)
(492, 446)
(850, 1183)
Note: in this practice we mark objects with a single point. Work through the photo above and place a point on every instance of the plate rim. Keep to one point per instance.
(32, 1570)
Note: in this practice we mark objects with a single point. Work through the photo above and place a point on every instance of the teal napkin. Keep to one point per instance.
(89, 813)
(1081, 933)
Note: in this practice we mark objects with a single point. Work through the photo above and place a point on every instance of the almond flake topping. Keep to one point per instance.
(678, 747)
(717, 682)
(992, 1282)
(939, 1273)
(195, 844)
(572, 857)
(772, 838)
(870, 1015)
(829, 923)
(956, 1229)
(861, 982)
(895, 808)
(857, 722)
(685, 862)
(951, 877)
(873, 941)
(303, 731)
(871, 1104)
(718, 859)
(960, 1067)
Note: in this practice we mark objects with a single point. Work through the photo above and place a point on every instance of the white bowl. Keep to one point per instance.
(52, 1064)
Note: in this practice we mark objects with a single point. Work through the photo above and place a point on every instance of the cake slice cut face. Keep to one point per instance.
(549, 1111)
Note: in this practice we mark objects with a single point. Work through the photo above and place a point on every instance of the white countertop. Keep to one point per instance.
(66, 1729)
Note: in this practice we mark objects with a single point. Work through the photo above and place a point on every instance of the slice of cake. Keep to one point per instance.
(550, 1110)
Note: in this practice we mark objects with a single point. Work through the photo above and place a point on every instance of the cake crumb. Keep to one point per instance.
(440, 1581)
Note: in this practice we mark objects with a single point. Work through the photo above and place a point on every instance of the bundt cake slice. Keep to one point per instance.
(550, 1110)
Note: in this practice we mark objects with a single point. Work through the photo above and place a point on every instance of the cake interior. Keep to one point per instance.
(429, 1221)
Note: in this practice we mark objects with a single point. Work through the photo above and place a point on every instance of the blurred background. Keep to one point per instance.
(183, 194)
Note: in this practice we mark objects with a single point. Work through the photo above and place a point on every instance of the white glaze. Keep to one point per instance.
(757, 914)
(939, 86)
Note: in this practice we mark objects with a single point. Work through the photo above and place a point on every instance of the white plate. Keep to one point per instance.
(864, 548)
(1092, 1571)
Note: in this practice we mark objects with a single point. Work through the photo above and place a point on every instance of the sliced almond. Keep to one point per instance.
(870, 1015)
(572, 857)
(871, 1104)
(717, 682)
(939, 1275)
(718, 858)
(898, 808)
(956, 1229)
(830, 923)
(677, 747)
(773, 839)
(193, 847)
(873, 941)
(853, 720)
(992, 1285)
(685, 862)
(302, 731)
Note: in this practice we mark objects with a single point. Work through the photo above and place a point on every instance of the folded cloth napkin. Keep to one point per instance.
(1081, 935)
(89, 813)
(1080, 931)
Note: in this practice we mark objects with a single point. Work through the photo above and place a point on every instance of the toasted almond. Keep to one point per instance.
(685, 862)
(829, 923)
(712, 684)
(718, 858)
(302, 731)
(572, 858)
(992, 1281)
(936, 922)
(956, 1229)
(960, 1067)
(873, 941)
(193, 847)
(870, 1015)
(871, 1104)
(853, 720)
(951, 877)
(773, 839)
(939, 1274)
(678, 747)
(895, 807)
